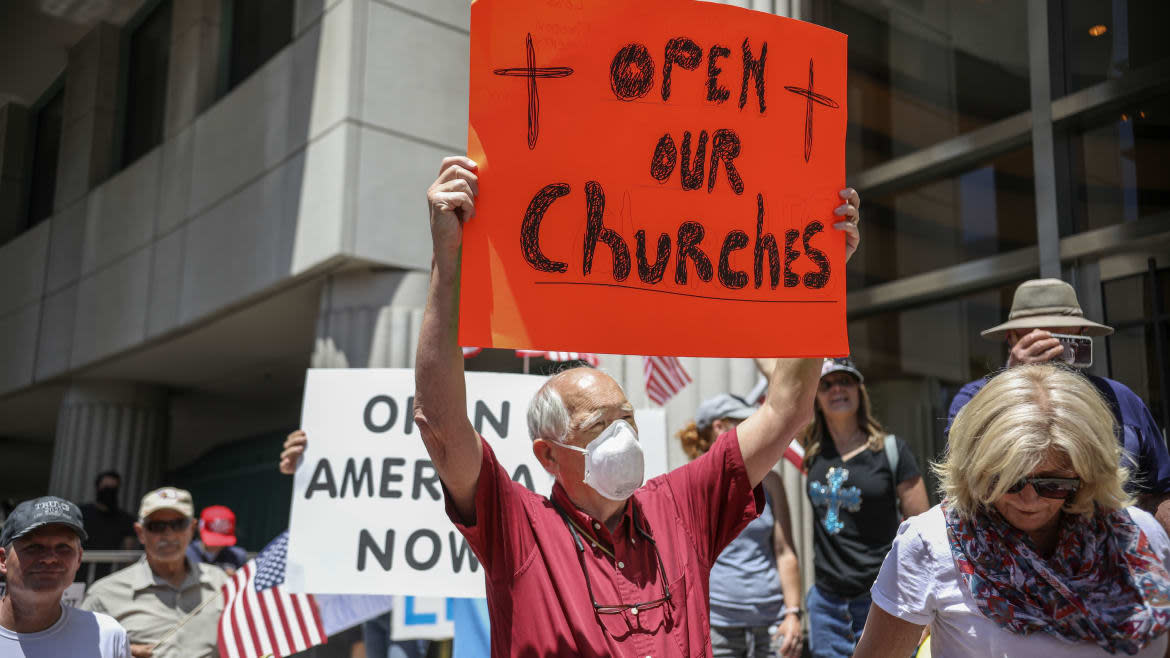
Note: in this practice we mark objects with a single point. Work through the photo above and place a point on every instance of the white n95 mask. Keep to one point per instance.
(614, 463)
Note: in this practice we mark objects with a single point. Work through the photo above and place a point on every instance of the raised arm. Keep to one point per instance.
(788, 407)
(440, 399)
(792, 383)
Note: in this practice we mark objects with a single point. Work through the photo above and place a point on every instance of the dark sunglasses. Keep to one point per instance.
(846, 381)
(1056, 488)
(159, 527)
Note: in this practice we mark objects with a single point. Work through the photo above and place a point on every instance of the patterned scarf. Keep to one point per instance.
(1102, 585)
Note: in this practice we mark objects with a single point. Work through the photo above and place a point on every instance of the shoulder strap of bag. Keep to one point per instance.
(891, 449)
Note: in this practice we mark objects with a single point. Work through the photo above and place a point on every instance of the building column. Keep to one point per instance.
(106, 425)
(370, 319)
(88, 125)
(14, 146)
(193, 67)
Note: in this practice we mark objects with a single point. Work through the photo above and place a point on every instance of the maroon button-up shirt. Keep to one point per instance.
(537, 595)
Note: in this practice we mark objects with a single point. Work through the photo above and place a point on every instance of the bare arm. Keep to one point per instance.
(792, 383)
(887, 636)
(912, 496)
(786, 564)
(1159, 506)
(440, 400)
(788, 407)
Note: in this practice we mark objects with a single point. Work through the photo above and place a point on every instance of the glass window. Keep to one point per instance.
(146, 83)
(260, 28)
(914, 361)
(924, 72)
(1133, 348)
(978, 213)
(1105, 39)
(1119, 167)
(46, 144)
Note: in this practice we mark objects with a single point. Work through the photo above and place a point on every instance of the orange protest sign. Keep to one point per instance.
(655, 177)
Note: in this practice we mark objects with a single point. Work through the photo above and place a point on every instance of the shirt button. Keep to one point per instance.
(596, 525)
(621, 565)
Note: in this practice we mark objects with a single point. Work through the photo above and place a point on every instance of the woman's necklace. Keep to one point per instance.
(849, 446)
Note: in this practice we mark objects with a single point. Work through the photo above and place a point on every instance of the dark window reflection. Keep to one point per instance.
(979, 213)
(146, 84)
(47, 143)
(1120, 170)
(915, 360)
(1138, 308)
(923, 72)
(1104, 39)
(260, 28)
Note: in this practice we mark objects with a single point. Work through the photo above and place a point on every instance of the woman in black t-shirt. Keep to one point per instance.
(858, 476)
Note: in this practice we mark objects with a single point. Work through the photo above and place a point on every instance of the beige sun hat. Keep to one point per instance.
(1043, 303)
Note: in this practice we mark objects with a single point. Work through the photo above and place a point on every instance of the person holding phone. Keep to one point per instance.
(1044, 308)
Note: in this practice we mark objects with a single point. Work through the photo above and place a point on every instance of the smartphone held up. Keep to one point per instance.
(1078, 350)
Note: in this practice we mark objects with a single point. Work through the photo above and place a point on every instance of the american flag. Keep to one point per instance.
(587, 357)
(795, 455)
(664, 377)
(259, 618)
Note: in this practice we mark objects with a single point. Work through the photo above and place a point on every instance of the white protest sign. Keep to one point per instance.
(73, 594)
(367, 512)
(421, 618)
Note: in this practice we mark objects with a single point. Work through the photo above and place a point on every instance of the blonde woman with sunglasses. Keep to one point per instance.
(1035, 549)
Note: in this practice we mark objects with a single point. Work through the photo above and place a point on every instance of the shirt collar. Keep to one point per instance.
(595, 529)
(143, 576)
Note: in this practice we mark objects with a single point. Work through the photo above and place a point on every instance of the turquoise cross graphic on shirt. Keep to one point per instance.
(834, 497)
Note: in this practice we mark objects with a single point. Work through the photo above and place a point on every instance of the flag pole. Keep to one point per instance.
(191, 615)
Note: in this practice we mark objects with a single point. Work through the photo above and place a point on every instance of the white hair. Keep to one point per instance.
(548, 416)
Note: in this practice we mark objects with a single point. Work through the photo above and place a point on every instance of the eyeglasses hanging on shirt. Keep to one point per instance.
(599, 608)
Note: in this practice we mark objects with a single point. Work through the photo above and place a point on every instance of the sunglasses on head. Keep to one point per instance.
(159, 527)
(1048, 487)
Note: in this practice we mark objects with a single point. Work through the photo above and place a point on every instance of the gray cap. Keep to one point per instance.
(723, 405)
(46, 510)
(841, 364)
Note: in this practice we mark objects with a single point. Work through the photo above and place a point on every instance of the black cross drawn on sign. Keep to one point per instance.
(532, 73)
(811, 97)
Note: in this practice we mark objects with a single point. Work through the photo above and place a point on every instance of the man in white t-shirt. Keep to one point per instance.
(40, 552)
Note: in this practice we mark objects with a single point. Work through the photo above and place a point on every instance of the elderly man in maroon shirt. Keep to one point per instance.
(606, 566)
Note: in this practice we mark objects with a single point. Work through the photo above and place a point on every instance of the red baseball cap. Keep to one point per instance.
(217, 526)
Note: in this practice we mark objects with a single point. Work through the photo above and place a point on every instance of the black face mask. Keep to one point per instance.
(108, 497)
